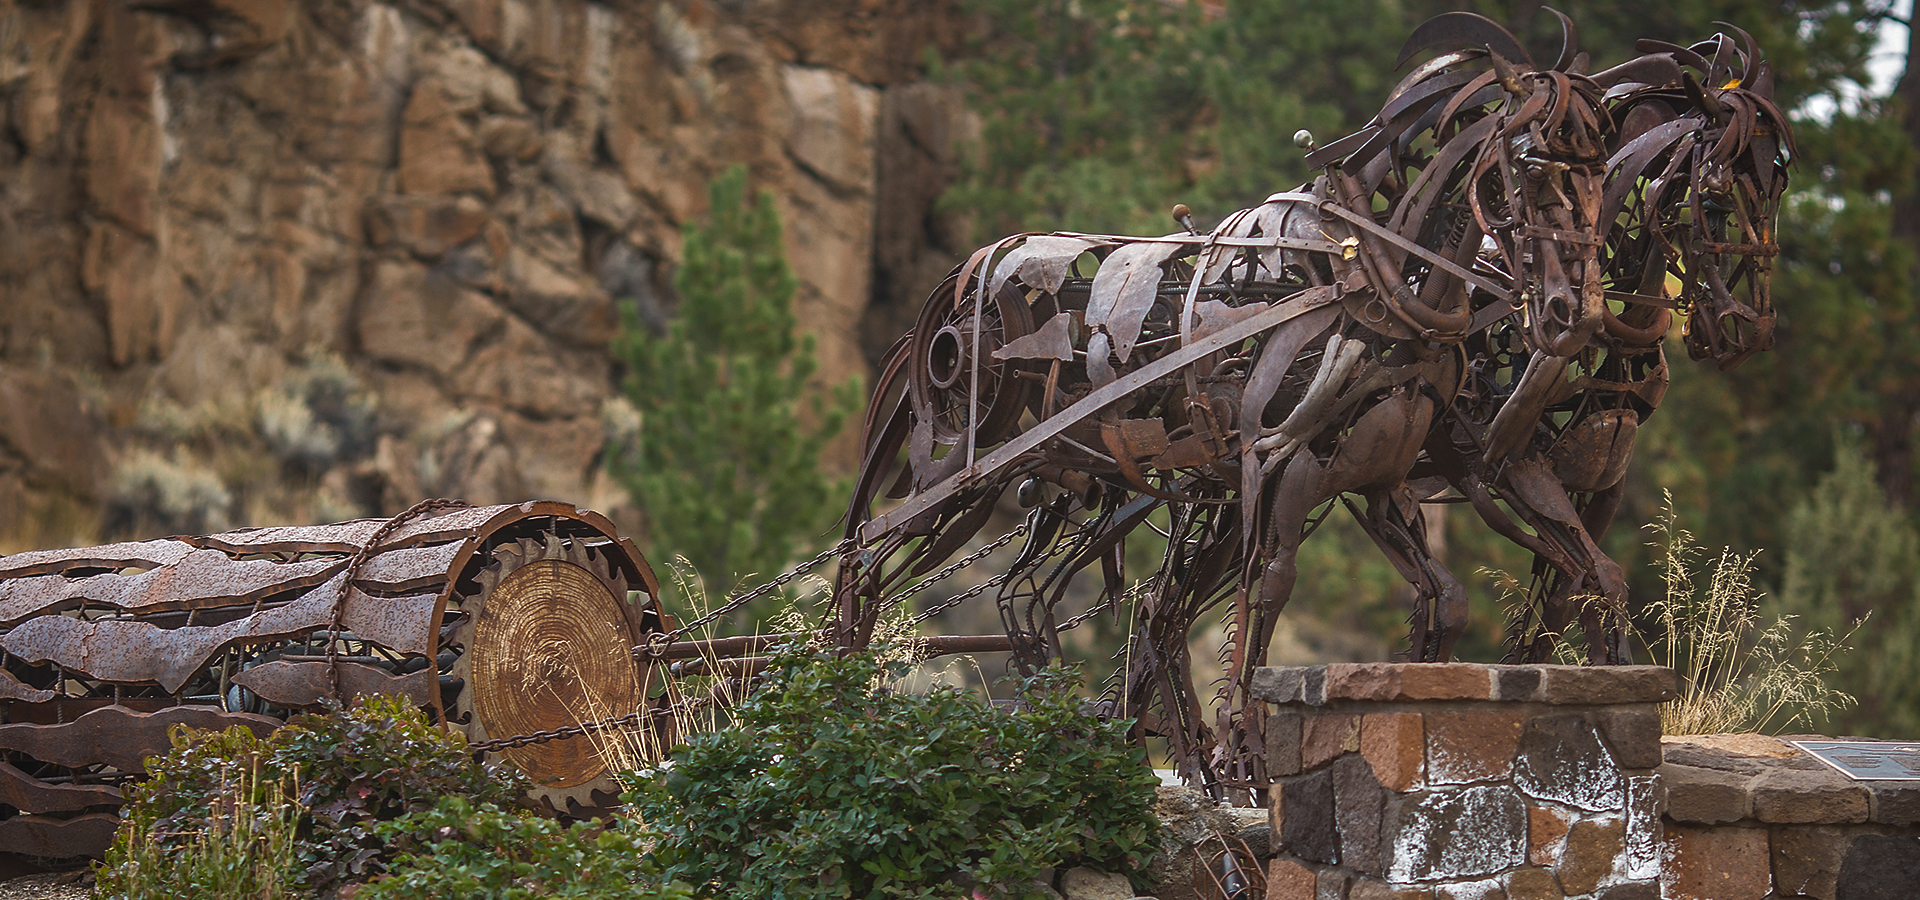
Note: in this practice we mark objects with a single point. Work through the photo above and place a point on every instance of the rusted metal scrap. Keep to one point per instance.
(1403, 323)
(491, 618)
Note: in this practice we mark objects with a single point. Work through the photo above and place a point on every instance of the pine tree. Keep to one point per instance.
(725, 464)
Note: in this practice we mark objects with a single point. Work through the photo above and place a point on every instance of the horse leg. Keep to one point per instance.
(1394, 521)
(1594, 587)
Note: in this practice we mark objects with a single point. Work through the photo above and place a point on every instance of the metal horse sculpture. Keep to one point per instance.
(1242, 379)
(1694, 184)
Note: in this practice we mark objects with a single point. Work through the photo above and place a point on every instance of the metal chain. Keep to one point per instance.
(630, 720)
(657, 640)
(352, 572)
(948, 571)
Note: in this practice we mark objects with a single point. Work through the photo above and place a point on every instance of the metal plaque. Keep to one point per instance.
(1868, 760)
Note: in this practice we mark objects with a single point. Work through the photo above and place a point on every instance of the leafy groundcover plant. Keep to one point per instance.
(833, 785)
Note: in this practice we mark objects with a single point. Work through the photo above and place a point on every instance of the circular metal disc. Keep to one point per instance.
(551, 649)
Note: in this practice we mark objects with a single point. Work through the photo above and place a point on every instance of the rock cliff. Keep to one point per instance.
(268, 261)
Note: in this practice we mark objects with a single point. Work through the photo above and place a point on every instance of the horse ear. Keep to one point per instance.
(1569, 40)
(1707, 103)
(1762, 81)
(1753, 61)
(1508, 78)
(1462, 29)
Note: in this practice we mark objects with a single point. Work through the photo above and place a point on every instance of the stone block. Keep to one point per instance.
(1533, 884)
(1637, 890)
(1307, 828)
(1369, 889)
(1880, 866)
(1561, 760)
(1705, 796)
(1283, 743)
(1287, 879)
(1464, 833)
(1082, 883)
(1807, 860)
(1325, 736)
(1633, 734)
(1547, 828)
(1408, 681)
(1314, 691)
(1594, 847)
(1464, 747)
(1486, 889)
(1359, 806)
(1516, 684)
(1716, 863)
(1394, 744)
(1332, 884)
(1644, 799)
(1279, 684)
(1895, 802)
(1608, 685)
(1822, 796)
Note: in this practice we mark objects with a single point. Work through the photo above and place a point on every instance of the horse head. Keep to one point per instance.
(1695, 186)
(1513, 181)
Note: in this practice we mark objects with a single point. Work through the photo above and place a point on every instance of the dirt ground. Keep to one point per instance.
(75, 885)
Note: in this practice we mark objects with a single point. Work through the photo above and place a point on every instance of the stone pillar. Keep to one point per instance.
(1404, 781)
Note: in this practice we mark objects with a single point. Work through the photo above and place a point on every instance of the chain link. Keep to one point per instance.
(948, 571)
(658, 641)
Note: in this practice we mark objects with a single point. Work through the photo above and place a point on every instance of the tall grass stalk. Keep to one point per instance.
(244, 852)
(1732, 678)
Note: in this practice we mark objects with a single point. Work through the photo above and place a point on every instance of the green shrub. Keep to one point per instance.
(239, 848)
(831, 785)
(459, 849)
(347, 772)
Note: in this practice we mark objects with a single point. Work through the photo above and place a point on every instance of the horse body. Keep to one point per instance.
(1241, 379)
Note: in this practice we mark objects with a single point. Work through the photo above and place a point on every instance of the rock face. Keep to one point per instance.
(397, 232)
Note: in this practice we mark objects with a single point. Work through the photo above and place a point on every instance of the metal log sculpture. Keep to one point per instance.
(1242, 379)
(500, 620)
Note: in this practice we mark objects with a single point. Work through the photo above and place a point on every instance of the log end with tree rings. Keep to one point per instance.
(546, 640)
(497, 620)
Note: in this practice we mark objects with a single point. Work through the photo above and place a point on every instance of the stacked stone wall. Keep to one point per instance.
(1449, 782)
(1750, 817)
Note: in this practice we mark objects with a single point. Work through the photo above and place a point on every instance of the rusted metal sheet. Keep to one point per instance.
(203, 578)
(12, 689)
(130, 651)
(29, 794)
(301, 684)
(113, 556)
(114, 736)
(50, 838)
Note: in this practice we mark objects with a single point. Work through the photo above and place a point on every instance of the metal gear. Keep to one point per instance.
(545, 641)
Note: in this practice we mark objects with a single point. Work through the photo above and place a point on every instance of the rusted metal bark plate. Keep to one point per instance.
(208, 578)
(118, 737)
(410, 569)
(134, 553)
(43, 836)
(303, 684)
(341, 537)
(29, 794)
(12, 689)
(129, 651)
(201, 579)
